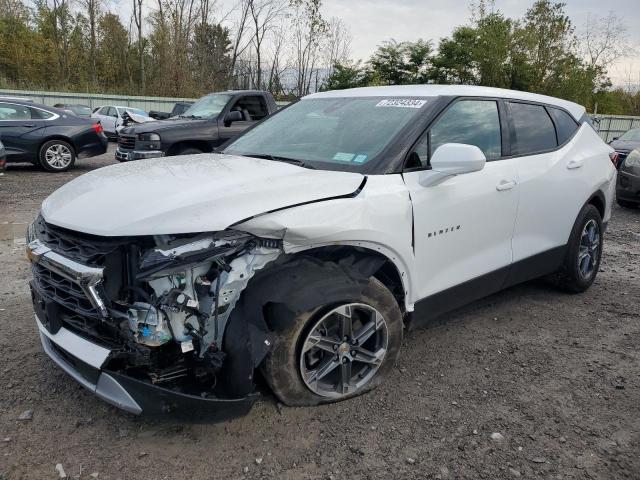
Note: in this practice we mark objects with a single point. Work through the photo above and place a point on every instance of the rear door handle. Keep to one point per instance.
(505, 185)
(574, 164)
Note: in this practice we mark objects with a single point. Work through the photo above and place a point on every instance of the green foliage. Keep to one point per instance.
(536, 53)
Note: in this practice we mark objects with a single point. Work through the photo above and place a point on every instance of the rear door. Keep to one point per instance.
(463, 226)
(19, 127)
(551, 172)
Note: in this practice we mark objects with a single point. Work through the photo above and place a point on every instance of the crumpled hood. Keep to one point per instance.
(186, 194)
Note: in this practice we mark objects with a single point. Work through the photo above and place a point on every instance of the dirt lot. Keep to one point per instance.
(556, 375)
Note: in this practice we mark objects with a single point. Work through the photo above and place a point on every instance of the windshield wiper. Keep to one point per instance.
(275, 158)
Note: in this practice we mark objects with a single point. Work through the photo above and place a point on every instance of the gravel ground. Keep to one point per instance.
(557, 376)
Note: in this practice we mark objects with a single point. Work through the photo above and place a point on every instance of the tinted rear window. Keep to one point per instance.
(534, 131)
(565, 124)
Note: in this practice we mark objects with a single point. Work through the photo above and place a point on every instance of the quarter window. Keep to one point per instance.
(565, 124)
(533, 128)
(473, 122)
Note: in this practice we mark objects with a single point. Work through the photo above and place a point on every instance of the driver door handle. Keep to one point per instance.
(29, 125)
(505, 185)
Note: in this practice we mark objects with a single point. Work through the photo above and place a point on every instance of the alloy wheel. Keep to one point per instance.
(58, 156)
(344, 350)
(589, 249)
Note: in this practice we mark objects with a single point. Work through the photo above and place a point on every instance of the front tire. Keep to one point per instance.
(56, 156)
(582, 260)
(337, 350)
(189, 151)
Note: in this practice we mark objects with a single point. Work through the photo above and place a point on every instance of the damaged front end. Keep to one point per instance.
(158, 309)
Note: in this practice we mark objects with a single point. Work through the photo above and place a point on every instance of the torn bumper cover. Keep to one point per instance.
(128, 393)
(148, 324)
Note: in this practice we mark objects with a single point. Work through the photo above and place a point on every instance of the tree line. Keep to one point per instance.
(186, 48)
(541, 53)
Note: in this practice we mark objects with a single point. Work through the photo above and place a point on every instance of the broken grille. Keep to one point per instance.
(63, 291)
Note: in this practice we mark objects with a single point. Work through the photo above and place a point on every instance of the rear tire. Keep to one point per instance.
(351, 369)
(626, 204)
(582, 260)
(56, 156)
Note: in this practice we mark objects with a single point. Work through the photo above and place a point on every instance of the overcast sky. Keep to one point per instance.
(373, 21)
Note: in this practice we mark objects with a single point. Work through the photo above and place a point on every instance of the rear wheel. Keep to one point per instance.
(584, 252)
(337, 350)
(57, 156)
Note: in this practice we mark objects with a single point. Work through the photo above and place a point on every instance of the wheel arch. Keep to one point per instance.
(58, 137)
(199, 144)
(599, 201)
(386, 266)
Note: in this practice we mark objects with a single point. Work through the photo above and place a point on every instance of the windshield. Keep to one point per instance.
(80, 109)
(331, 131)
(631, 135)
(207, 107)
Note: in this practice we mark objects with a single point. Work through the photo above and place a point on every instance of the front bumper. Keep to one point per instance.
(126, 155)
(628, 184)
(89, 362)
(85, 361)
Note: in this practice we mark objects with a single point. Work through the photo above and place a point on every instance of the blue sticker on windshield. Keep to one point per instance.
(343, 157)
(360, 159)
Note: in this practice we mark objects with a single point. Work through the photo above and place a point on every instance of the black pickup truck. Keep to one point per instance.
(208, 123)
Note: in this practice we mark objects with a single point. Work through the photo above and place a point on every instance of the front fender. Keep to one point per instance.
(378, 219)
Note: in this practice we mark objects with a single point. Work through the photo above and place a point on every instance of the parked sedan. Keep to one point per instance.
(83, 111)
(47, 136)
(110, 117)
(625, 143)
(628, 184)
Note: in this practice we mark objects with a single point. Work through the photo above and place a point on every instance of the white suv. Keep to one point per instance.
(305, 248)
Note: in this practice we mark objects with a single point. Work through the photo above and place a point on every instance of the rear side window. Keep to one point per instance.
(252, 108)
(474, 122)
(565, 124)
(41, 114)
(533, 129)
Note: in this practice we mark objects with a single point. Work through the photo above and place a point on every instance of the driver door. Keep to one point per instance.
(463, 226)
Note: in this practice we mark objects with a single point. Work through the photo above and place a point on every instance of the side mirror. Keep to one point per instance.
(231, 117)
(452, 159)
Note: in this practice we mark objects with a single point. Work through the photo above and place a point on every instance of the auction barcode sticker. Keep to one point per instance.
(401, 102)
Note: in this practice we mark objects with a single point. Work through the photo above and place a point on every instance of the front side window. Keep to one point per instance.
(330, 133)
(252, 108)
(10, 111)
(534, 131)
(472, 122)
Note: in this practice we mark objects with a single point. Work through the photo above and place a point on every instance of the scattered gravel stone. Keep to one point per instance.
(94, 475)
(562, 439)
(497, 437)
(6, 439)
(514, 472)
(26, 416)
(279, 406)
(60, 470)
(411, 461)
(245, 470)
(475, 432)
(142, 454)
(539, 460)
(258, 460)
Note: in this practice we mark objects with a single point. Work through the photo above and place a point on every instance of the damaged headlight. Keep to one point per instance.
(177, 256)
(195, 282)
